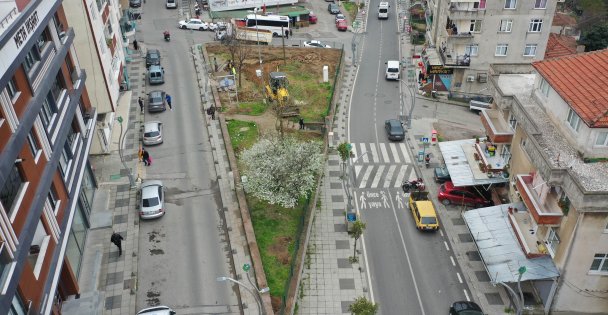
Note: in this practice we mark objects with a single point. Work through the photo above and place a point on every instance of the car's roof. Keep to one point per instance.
(425, 208)
(149, 189)
(193, 20)
(342, 22)
(466, 305)
(394, 122)
(156, 93)
(156, 310)
(152, 126)
(155, 67)
(153, 51)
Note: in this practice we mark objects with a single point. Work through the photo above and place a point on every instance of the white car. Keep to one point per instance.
(157, 310)
(193, 24)
(153, 133)
(217, 26)
(340, 16)
(152, 200)
(315, 43)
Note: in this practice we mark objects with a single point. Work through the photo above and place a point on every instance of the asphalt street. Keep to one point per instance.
(410, 270)
(182, 253)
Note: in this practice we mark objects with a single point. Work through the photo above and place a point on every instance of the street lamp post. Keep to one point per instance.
(347, 180)
(412, 92)
(121, 142)
(257, 35)
(256, 295)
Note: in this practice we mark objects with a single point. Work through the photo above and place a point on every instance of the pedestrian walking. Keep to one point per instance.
(140, 100)
(145, 157)
(287, 34)
(215, 63)
(168, 99)
(117, 240)
(301, 123)
(135, 45)
(211, 112)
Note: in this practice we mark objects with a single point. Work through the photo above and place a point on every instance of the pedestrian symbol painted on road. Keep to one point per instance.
(362, 201)
(399, 201)
(384, 199)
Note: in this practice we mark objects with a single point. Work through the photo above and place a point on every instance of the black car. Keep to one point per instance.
(152, 57)
(156, 101)
(333, 8)
(135, 3)
(394, 129)
(441, 175)
(465, 308)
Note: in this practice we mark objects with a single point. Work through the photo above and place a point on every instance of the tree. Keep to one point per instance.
(239, 52)
(362, 306)
(596, 38)
(344, 149)
(356, 232)
(281, 171)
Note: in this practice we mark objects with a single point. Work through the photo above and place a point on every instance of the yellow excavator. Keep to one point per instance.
(276, 89)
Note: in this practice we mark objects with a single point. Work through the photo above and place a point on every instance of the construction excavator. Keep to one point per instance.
(276, 89)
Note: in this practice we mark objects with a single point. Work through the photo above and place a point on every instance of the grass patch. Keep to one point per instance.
(252, 108)
(243, 134)
(275, 228)
(351, 8)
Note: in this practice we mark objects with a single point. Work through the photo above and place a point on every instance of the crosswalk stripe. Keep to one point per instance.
(389, 176)
(365, 177)
(384, 153)
(406, 156)
(377, 176)
(395, 153)
(357, 173)
(374, 153)
(354, 152)
(400, 175)
(363, 150)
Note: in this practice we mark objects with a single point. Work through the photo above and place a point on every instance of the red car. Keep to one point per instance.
(312, 18)
(462, 195)
(341, 25)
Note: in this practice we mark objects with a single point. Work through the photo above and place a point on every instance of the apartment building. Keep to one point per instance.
(99, 43)
(46, 183)
(466, 36)
(550, 121)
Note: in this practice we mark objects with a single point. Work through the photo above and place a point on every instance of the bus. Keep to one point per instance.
(277, 24)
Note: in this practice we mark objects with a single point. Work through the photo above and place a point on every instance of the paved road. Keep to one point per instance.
(409, 270)
(182, 253)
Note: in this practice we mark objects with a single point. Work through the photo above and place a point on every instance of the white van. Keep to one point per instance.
(392, 70)
(171, 4)
(383, 10)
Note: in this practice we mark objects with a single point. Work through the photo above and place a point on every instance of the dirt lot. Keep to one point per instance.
(304, 68)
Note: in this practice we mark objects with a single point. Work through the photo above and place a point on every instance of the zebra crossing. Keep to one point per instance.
(382, 165)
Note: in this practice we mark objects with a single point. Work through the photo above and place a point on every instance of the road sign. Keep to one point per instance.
(246, 267)
(425, 140)
(119, 119)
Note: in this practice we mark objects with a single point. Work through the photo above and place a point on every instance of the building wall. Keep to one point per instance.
(577, 285)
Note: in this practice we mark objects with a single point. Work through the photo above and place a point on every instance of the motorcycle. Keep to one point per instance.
(415, 184)
(167, 35)
(427, 160)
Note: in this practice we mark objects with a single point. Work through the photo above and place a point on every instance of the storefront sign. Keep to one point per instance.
(29, 26)
(432, 69)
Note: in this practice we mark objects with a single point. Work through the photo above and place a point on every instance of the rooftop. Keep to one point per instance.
(560, 45)
(562, 19)
(559, 152)
(581, 81)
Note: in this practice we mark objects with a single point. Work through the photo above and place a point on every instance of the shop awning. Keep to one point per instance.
(464, 171)
(499, 249)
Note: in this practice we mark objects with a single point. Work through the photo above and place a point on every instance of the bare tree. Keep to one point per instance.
(239, 52)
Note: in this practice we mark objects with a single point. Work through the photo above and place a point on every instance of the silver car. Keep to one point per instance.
(152, 200)
(153, 133)
(157, 310)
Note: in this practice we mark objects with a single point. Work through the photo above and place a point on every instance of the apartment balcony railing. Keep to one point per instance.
(525, 233)
(544, 211)
(468, 10)
(490, 161)
(497, 129)
(450, 59)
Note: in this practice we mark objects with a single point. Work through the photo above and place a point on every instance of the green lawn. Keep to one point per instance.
(350, 8)
(252, 108)
(243, 134)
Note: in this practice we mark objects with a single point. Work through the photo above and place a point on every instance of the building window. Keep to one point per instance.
(64, 161)
(501, 49)
(600, 264)
(47, 111)
(475, 26)
(12, 90)
(602, 139)
(58, 87)
(31, 58)
(552, 241)
(52, 197)
(44, 39)
(530, 50)
(512, 121)
(510, 4)
(573, 120)
(10, 191)
(33, 142)
(17, 306)
(6, 264)
(544, 87)
(536, 25)
(505, 26)
(471, 50)
(540, 4)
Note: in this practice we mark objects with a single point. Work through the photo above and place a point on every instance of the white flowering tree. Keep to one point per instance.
(281, 171)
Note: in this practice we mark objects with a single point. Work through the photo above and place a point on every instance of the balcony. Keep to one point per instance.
(490, 162)
(544, 209)
(525, 232)
(466, 10)
(497, 129)
(454, 34)
(449, 58)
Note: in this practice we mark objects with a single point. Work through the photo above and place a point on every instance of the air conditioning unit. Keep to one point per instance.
(471, 78)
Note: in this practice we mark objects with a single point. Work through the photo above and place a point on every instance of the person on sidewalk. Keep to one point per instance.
(145, 157)
(140, 100)
(301, 123)
(117, 240)
(168, 99)
(135, 45)
(287, 34)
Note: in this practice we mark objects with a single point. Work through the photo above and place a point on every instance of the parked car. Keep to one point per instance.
(171, 4)
(465, 308)
(340, 16)
(156, 101)
(341, 25)
(152, 200)
(135, 3)
(394, 130)
(312, 18)
(315, 43)
(193, 24)
(448, 194)
(333, 8)
(152, 57)
(218, 26)
(153, 133)
(441, 174)
(157, 310)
